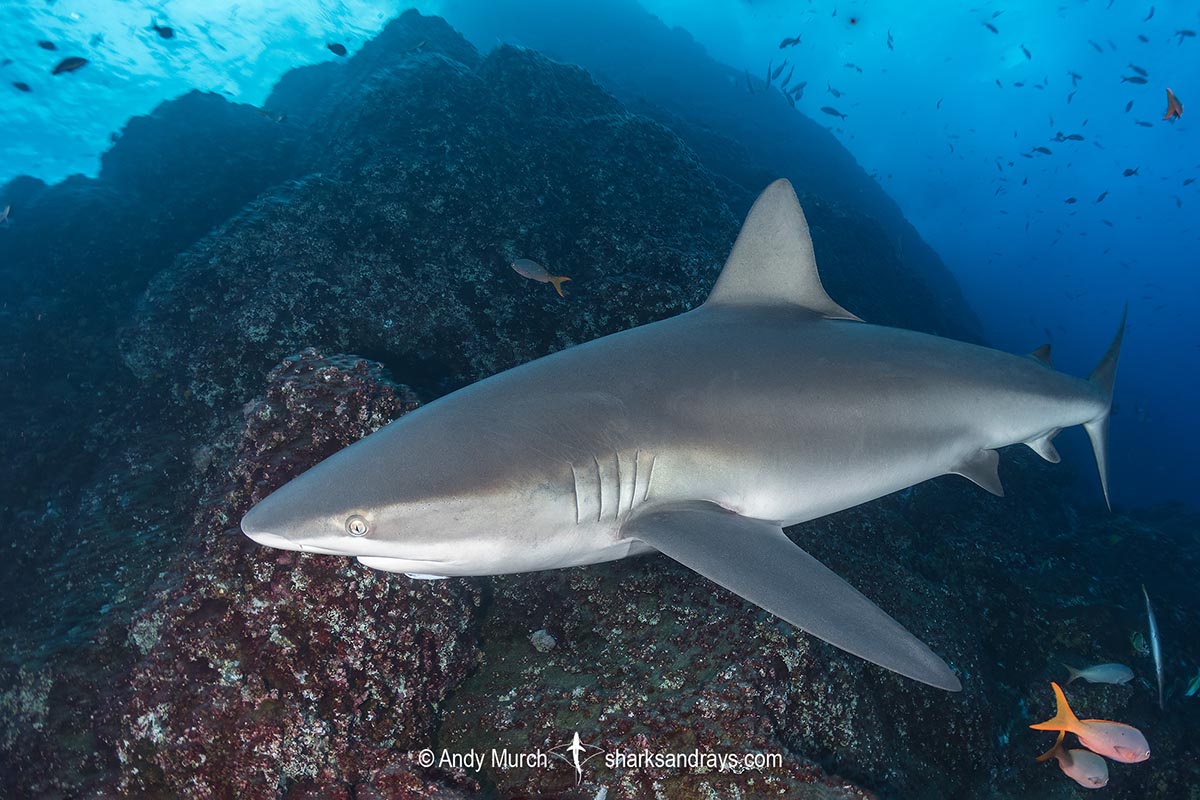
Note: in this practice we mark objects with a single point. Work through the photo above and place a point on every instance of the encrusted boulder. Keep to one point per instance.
(260, 672)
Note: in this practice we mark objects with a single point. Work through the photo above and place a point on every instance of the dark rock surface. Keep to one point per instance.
(261, 671)
(374, 210)
(745, 140)
(87, 470)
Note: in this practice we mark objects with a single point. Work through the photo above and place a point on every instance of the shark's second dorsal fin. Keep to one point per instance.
(772, 263)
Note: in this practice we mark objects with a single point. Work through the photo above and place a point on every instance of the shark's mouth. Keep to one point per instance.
(409, 566)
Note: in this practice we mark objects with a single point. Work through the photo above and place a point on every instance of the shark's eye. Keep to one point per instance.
(357, 525)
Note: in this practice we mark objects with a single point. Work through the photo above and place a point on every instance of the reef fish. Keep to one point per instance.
(833, 112)
(1133, 79)
(69, 65)
(337, 48)
(701, 437)
(1082, 766)
(1101, 673)
(163, 31)
(1174, 107)
(22, 86)
(535, 271)
(1193, 686)
(1155, 645)
(1114, 740)
(46, 45)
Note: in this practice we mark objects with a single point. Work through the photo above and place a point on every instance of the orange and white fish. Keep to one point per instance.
(535, 271)
(1174, 107)
(1082, 766)
(1114, 740)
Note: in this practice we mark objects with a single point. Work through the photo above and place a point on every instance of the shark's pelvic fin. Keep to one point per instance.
(1097, 430)
(772, 261)
(754, 559)
(983, 468)
(1044, 447)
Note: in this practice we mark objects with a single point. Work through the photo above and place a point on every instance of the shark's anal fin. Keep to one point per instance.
(772, 262)
(754, 559)
(1044, 447)
(983, 468)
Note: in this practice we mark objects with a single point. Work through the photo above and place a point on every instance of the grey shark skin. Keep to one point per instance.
(701, 437)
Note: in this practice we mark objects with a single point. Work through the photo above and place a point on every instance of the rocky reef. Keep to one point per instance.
(373, 208)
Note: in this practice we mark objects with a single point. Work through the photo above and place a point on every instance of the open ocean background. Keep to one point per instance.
(945, 121)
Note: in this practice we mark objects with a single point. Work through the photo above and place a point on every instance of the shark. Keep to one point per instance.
(701, 437)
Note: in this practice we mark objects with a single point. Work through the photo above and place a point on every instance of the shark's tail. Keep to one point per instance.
(1097, 429)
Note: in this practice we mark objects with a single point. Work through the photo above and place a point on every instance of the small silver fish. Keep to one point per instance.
(1101, 673)
(535, 271)
(1155, 645)
(1193, 686)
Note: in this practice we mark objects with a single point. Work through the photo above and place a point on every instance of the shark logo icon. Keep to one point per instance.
(577, 753)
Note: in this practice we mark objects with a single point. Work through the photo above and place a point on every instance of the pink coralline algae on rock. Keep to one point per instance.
(267, 674)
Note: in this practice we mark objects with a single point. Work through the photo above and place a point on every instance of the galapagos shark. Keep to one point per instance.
(701, 437)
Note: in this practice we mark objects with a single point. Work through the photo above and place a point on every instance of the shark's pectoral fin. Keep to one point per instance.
(755, 560)
(983, 469)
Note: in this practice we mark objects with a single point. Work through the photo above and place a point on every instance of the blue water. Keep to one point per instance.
(925, 117)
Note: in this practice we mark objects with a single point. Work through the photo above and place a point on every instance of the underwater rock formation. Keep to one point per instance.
(262, 671)
(374, 210)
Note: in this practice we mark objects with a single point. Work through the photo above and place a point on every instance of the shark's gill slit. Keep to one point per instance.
(650, 476)
(620, 486)
(637, 456)
(575, 491)
(599, 488)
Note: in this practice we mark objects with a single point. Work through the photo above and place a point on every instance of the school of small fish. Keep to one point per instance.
(75, 63)
(1136, 76)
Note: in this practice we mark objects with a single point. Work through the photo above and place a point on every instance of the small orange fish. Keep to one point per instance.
(1174, 107)
(535, 271)
(1082, 766)
(1114, 740)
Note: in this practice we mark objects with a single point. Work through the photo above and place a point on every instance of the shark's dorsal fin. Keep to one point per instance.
(772, 262)
(1042, 354)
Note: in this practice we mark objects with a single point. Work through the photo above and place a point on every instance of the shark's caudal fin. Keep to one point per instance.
(1097, 429)
(772, 261)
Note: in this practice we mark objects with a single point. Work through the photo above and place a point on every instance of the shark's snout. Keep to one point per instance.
(257, 525)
